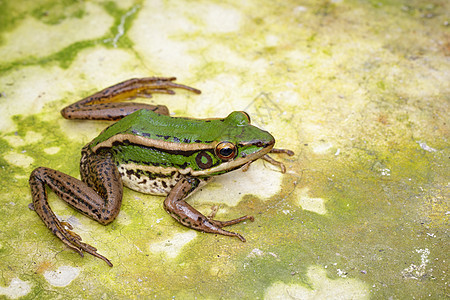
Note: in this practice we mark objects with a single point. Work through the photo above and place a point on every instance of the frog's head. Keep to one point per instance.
(237, 144)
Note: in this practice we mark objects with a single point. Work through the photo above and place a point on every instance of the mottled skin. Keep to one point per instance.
(110, 161)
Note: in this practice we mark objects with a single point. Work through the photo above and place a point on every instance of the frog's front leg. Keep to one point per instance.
(184, 213)
(100, 201)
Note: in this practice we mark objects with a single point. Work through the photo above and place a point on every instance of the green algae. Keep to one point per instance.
(53, 13)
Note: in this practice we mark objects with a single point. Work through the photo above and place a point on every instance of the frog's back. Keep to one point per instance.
(147, 124)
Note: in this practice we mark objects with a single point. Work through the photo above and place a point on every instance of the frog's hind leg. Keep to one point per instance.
(72, 191)
(184, 213)
(100, 201)
(108, 104)
(110, 111)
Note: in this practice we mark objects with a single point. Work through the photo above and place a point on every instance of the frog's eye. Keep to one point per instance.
(248, 116)
(226, 150)
(239, 118)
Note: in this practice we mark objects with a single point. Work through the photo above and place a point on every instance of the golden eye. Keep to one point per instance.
(226, 150)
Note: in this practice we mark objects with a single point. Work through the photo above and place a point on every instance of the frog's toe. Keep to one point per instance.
(213, 213)
(230, 233)
(74, 235)
(240, 237)
(73, 241)
(93, 251)
(145, 94)
(96, 254)
(218, 225)
(66, 224)
(221, 224)
(80, 247)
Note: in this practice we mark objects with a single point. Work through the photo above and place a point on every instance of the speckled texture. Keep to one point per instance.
(358, 89)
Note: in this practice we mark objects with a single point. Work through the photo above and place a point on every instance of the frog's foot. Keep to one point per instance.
(285, 151)
(184, 213)
(246, 166)
(276, 162)
(63, 231)
(73, 241)
(214, 210)
(147, 86)
(220, 224)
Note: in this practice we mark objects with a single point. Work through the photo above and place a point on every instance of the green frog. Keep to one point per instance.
(151, 152)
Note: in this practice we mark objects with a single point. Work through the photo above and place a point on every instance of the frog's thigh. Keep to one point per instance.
(69, 189)
(100, 173)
